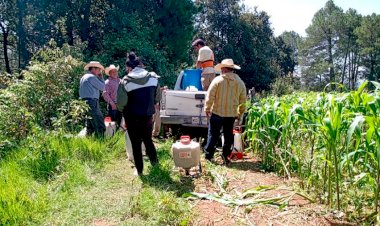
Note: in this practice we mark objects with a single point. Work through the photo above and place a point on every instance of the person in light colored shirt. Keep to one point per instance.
(110, 93)
(225, 102)
(91, 84)
(205, 61)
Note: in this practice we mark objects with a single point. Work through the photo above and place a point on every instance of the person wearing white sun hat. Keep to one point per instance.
(91, 84)
(110, 93)
(224, 103)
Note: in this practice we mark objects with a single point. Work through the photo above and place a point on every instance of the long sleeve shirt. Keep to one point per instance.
(226, 96)
(90, 86)
(110, 92)
(138, 93)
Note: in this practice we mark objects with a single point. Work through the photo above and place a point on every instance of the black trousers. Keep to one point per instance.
(115, 115)
(140, 130)
(95, 124)
(216, 124)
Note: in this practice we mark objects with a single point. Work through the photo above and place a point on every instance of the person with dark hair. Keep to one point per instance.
(225, 102)
(91, 84)
(205, 61)
(137, 96)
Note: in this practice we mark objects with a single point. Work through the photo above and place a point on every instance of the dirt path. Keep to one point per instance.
(107, 201)
(246, 174)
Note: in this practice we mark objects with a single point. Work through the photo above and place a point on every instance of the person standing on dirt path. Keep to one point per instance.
(205, 61)
(91, 84)
(110, 93)
(225, 102)
(137, 95)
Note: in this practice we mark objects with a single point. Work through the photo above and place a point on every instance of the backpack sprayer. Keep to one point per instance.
(238, 146)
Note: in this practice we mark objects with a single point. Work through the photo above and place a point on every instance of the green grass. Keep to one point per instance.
(58, 179)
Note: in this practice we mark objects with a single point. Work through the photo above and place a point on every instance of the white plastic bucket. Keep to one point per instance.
(128, 147)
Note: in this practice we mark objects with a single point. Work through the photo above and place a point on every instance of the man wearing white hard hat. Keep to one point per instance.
(110, 93)
(225, 101)
(91, 84)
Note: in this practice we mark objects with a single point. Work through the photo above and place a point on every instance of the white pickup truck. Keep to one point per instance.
(183, 111)
(185, 108)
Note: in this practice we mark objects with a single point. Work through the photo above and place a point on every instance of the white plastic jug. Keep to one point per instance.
(128, 147)
(238, 148)
(186, 153)
(110, 129)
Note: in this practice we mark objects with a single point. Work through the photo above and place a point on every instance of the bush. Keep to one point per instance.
(47, 93)
(285, 85)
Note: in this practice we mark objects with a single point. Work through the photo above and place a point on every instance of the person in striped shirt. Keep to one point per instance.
(110, 93)
(225, 102)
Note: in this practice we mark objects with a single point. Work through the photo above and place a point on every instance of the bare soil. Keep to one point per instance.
(245, 174)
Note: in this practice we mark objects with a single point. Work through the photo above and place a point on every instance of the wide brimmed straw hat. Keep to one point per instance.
(111, 67)
(93, 64)
(227, 63)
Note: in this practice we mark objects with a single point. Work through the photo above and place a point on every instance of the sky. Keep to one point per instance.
(296, 15)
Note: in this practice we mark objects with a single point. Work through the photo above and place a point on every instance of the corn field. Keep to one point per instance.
(331, 141)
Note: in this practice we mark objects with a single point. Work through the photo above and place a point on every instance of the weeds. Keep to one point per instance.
(28, 173)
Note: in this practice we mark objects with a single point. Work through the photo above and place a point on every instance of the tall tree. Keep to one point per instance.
(293, 40)
(323, 35)
(246, 36)
(7, 26)
(348, 48)
(369, 40)
(285, 56)
(24, 54)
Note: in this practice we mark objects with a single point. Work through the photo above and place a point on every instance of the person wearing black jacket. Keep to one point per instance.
(137, 95)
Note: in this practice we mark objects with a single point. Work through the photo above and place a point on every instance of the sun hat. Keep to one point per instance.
(110, 68)
(227, 63)
(93, 64)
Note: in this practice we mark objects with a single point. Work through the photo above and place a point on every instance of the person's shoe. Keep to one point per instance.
(226, 161)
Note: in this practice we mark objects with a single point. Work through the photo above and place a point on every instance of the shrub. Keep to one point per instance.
(47, 93)
(284, 85)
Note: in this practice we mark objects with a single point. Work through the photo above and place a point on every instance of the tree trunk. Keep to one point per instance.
(351, 72)
(85, 21)
(331, 63)
(355, 65)
(344, 67)
(5, 49)
(69, 23)
(21, 34)
(371, 76)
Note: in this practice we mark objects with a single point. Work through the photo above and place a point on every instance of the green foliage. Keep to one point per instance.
(21, 198)
(48, 165)
(285, 85)
(340, 47)
(162, 191)
(172, 210)
(330, 140)
(159, 32)
(368, 38)
(323, 36)
(47, 93)
(246, 36)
